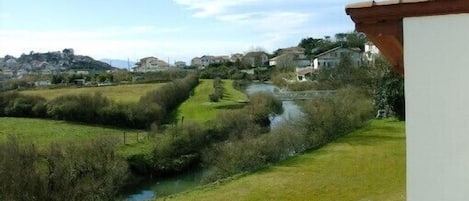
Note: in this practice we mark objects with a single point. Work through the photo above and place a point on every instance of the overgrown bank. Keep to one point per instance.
(367, 164)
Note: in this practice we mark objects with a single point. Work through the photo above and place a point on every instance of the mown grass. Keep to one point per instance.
(120, 93)
(366, 165)
(42, 132)
(198, 107)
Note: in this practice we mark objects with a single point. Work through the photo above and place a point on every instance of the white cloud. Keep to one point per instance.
(207, 8)
(272, 21)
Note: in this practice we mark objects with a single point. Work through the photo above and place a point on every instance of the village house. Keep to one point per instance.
(196, 62)
(236, 57)
(256, 59)
(293, 56)
(206, 60)
(180, 64)
(150, 64)
(332, 57)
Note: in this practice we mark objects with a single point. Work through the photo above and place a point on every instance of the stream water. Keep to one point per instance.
(290, 109)
(191, 179)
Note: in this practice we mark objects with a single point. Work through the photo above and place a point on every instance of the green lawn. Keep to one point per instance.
(198, 108)
(42, 132)
(366, 165)
(121, 93)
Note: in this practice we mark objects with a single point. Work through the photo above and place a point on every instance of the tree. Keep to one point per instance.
(356, 40)
(390, 94)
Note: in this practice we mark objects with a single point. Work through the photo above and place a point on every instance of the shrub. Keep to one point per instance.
(19, 105)
(219, 90)
(66, 172)
(330, 117)
(261, 106)
(251, 153)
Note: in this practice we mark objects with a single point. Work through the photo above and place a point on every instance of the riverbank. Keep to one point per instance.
(368, 164)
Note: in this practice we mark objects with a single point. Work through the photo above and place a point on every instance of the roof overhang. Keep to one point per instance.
(382, 22)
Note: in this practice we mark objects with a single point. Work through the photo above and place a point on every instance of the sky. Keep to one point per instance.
(167, 29)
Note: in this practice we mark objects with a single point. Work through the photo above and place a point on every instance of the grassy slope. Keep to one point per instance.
(368, 164)
(42, 132)
(198, 108)
(122, 93)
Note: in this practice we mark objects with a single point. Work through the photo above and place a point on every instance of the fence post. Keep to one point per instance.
(124, 138)
(137, 136)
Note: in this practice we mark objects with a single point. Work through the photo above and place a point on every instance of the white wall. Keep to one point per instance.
(436, 61)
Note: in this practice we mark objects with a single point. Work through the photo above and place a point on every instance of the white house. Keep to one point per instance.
(331, 58)
(150, 64)
(206, 60)
(291, 56)
(426, 40)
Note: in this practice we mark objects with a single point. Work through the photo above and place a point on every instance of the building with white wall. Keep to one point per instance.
(332, 57)
(427, 41)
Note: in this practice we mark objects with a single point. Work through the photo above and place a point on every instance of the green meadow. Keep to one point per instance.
(198, 107)
(42, 132)
(368, 164)
(120, 93)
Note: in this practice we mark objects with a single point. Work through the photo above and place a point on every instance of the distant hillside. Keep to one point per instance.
(119, 63)
(58, 61)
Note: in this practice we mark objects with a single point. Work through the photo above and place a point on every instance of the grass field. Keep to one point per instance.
(121, 93)
(198, 108)
(42, 132)
(366, 165)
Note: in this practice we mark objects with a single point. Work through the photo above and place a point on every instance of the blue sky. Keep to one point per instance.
(167, 29)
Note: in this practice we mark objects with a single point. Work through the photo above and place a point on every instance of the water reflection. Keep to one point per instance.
(290, 109)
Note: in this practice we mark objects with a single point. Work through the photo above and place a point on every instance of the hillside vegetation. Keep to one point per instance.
(368, 164)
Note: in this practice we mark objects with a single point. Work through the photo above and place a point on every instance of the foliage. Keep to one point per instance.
(390, 94)
(181, 147)
(261, 106)
(371, 161)
(154, 107)
(249, 147)
(66, 172)
(219, 90)
(331, 117)
(19, 105)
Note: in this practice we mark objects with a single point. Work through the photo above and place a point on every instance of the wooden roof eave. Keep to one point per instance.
(382, 21)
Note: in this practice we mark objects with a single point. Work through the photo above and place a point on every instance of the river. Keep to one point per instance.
(191, 179)
(290, 109)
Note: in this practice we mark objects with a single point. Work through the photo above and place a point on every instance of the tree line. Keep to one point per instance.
(154, 107)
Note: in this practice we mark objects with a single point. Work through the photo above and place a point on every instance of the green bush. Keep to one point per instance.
(65, 172)
(219, 90)
(18, 105)
(261, 106)
(331, 117)
(252, 152)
